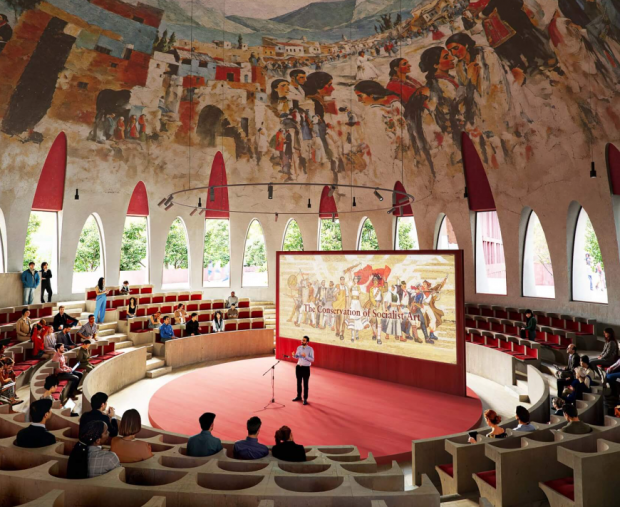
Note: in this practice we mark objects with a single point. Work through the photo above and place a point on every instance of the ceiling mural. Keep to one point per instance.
(362, 91)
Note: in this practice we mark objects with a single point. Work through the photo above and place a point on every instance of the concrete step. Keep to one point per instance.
(149, 356)
(154, 363)
(269, 311)
(116, 337)
(158, 372)
(123, 345)
(519, 391)
(106, 332)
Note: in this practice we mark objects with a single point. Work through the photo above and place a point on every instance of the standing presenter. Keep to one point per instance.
(305, 357)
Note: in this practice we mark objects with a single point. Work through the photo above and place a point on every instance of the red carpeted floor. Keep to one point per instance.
(376, 416)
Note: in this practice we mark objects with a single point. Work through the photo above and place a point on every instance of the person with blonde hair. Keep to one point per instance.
(126, 447)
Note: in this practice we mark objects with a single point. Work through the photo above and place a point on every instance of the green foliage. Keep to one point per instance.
(369, 239)
(217, 243)
(88, 255)
(20, 6)
(330, 238)
(541, 249)
(406, 237)
(134, 245)
(293, 241)
(255, 251)
(31, 252)
(176, 254)
(592, 246)
(164, 44)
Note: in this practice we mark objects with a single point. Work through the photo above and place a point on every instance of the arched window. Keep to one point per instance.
(537, 270)
(255, 257)
(490, 261)
(446, 239)
(90, 256)
(406, 234)
(42, 232)
(216, 259)
(589, 282)
(293, 242)
(367, 239)
(176, 257)
(330, 238)
(134, 244)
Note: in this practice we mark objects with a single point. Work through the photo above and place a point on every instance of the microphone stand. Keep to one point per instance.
(273, 386)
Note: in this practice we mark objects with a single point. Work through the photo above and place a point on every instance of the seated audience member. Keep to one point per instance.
(611, 376)
(83, 356)
(23, 326)
(100, 412)
(89, 330)
(64, 336)
(217, 325)
(36, 435)
(180, 314)
(232, 300)
(579, 386)
(232, 313)
(64, 372)
(286, 449)
(523, 418)
(62, 320)
(585, 365)
(558, 406)
(564, 374)
(87, 458)
(153, 322)
(574, 426)
(610, 350)
(132, 308)
(39, 332)
(125, 288)
(492, 420)
(204, 443)
(7, 377)
(529, 330)
(166, 332)
(50, 386)
(193, 326)
(126, 447)
(49, 344)
(250, 448)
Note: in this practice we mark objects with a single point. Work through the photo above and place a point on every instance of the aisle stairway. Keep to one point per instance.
(269, 313)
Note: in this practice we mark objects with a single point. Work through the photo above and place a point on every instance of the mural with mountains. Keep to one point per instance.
(320, 21)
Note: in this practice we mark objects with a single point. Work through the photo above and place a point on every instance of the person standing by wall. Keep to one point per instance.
(30, 281)
(46, 283)
(102, 297)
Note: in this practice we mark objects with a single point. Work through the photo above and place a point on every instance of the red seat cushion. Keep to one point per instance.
(449, 469)
(525, 358)
(564, 486)
(96, 361)
(31, 362)
(141, 331)
(488, 477)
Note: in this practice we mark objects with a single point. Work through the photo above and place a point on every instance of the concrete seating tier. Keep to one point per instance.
(200, 307)
(521, 470)
(333, 475)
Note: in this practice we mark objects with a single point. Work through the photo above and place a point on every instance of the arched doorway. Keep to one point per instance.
(210, 124)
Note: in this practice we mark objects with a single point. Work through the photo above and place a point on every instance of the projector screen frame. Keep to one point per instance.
(433, 375)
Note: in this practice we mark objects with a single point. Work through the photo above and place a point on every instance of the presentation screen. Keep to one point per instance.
(390, 303)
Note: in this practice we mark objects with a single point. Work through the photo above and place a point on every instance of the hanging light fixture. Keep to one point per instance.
(77, 194)
(270, 191)
(465, 194)
(202, 212)
(161, 203)
(333, 217)
(378, 195)
(200, 202)
(212, 194)
(193, 212)
(332, 189)
(169, 206)
(593, 171)
(168, 200)
(391, 210)
(309, 204)
(276, 217)
(354, 203)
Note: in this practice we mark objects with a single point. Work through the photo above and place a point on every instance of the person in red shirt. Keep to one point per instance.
(39, 332)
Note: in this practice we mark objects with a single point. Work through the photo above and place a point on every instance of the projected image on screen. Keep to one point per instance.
(395, 304)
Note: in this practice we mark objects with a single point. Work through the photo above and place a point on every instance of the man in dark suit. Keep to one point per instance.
(36, 435)
(566, 374)
(100, 412)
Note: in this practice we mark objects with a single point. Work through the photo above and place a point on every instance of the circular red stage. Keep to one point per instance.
(376, 416)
